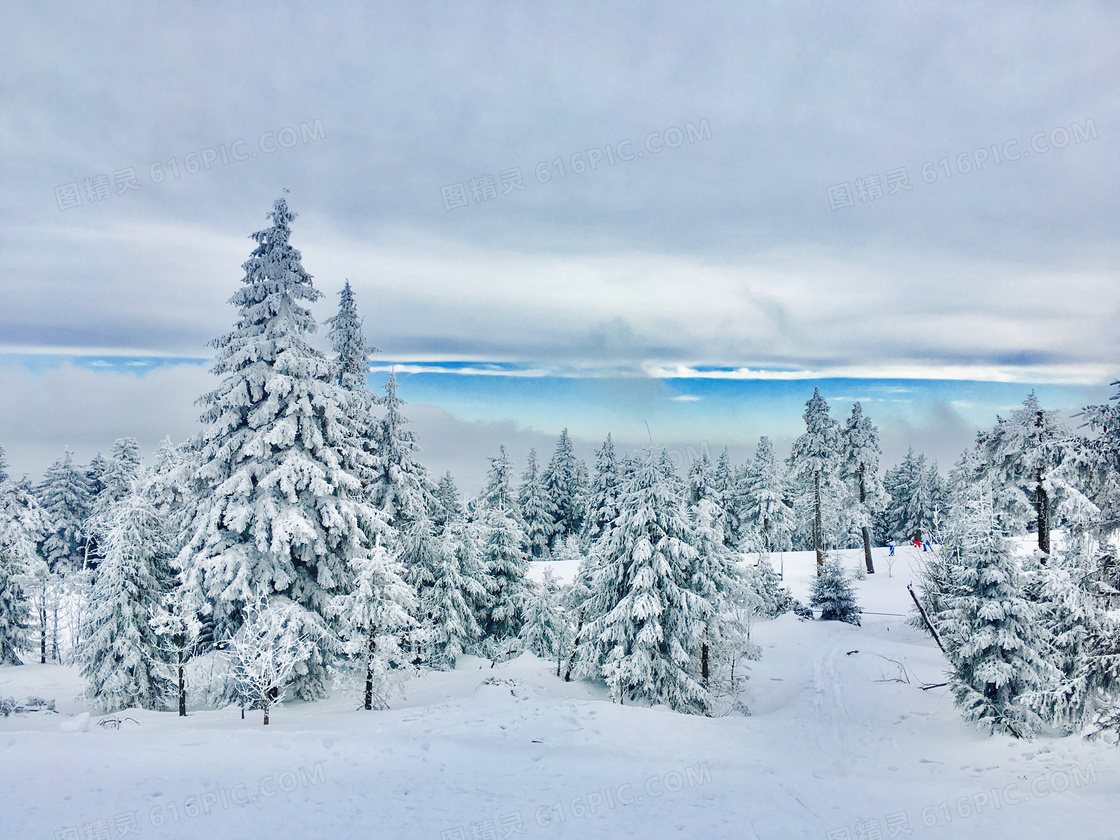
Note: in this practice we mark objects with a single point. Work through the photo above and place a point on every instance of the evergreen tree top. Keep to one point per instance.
(817, 449)
(349, 343)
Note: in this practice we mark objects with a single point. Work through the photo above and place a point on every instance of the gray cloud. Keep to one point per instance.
(721, 251)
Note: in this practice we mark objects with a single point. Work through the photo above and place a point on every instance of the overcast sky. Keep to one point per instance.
(920, 192)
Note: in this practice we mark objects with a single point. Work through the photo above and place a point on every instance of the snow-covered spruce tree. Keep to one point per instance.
(13, 607)
(451, 587)
(545, 630)
(577, 602)
(993, 635)
(122, 470)
(833, 595)
(498, 493)
(765, 511)
(25, 580)
(506, 567)
(3, 465)
(64, 496)
(647, 627)
(1103, 456)
(352, 351)
(420, 549)
(121, 656)
(1035, 454)
(702, 480)
(771, 599)
(110, 481)
(402, 487)
(534, 510)
(280, 514)
(457, 598)
(351, 360)
(602, 506)
(913, 501)
(448, 507)
(275, 640)
(860, 468)
(725, 487)
(716, 578)
(814, 463)
(170, 487)
(374, 616)
(1084, 644)
(565, 484)
(20, 530)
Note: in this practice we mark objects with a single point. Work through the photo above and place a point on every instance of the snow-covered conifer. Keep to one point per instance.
(912, 493)
(281, 513)
(814, 462)
(833, 595)
(1032, 452)
(352, 352)
(860, 468)
(725, 494)
(457, 598)
(506, 566)
(402, 487)
(534, 510)
(121, 650)
(498, 493)
(565, 484)
(647, 627)
(448, 507)
(992, 633)
(65, 498)
(373, 617)
(21, 566)
(602, 505)
(767, 519)
(716, 578)
(702, 480)
(25, 579)
(545, 629)
(1102, 453)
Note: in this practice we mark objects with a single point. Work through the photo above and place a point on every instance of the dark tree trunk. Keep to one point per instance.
(575, 648)
(1042, 509)
(865, 531)
(179, 641)
(54, 636)
(42, 636)
(369, 670)
(704, 663)
(817, 541)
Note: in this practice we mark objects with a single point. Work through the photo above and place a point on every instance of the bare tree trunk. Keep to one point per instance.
(575, 648)
(182, 685)
(54, 635)
(925, 618)
(1042, 508)
(817, 542)
(704, 663)
(42, 635)
(265, 704)
(865, 530)
(369, 670)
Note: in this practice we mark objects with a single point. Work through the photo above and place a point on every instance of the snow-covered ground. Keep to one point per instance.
(842, 742)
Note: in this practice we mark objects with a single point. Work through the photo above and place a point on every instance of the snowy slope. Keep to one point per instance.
(834, 741)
